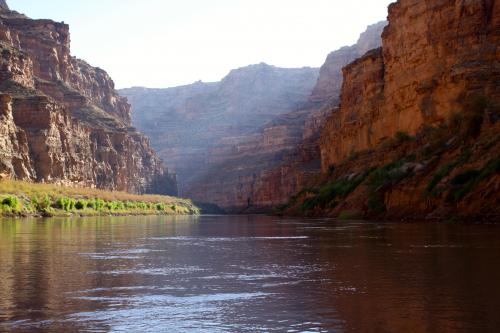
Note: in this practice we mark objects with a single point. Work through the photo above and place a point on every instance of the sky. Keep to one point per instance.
(166, 43)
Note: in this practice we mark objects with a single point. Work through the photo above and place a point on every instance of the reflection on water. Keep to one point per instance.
(247, 274)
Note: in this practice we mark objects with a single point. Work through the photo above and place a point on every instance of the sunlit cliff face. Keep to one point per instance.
(63, 120)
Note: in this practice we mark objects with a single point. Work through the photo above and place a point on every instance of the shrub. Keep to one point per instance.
(96, 204)
(326, 195)
(12, 202)
(131, 205)
(160, 207)
(389, 175)
(65, 203)
(81, 204)
(41, 204)
(466, 181)
(446, 169)
(383, 178)
(465, 177)
(142, 205)
(119, 205)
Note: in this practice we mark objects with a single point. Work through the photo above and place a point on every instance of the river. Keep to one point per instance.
(247, 274)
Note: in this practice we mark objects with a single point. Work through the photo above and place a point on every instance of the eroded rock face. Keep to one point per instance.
(436, 57)
(253, 173)
(198, 125)
(13, 144)
(357, 118)
(62, 121)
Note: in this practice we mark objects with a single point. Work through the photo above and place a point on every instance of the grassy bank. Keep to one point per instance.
(30, 199)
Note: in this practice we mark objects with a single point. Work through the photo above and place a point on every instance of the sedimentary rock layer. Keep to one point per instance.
(195, 126)
(437, 56)
(250, 141)
(62, 120)
(417, 131)
(258, 172)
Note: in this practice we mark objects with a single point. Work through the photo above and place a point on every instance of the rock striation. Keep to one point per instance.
(436, 56)
(62, 121)
(417, 133)
(282, 157)
(257, 130)
(197, 126)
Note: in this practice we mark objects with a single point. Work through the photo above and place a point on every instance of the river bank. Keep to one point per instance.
(23, 199)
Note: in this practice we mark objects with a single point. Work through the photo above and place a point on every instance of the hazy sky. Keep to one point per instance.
(164, 43)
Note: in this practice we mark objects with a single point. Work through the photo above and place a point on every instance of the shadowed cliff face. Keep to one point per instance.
(250, 141)
(62, 120)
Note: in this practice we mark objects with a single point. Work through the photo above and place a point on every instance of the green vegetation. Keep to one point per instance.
(445, 170)
(11, 204)
(384, 178)
(390, 174)
(466, 181)
(327, 195)
(23, 199)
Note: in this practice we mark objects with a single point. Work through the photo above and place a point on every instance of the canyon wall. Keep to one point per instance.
(193, 126)
(437, 56)
(416, 135)
(62, 121)
(283, 157)
(251, 141)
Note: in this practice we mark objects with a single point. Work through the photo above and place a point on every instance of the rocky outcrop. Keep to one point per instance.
(416, 135)
(62, 120)
(424, 73)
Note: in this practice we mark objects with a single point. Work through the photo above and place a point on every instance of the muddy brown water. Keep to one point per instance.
(247, 274)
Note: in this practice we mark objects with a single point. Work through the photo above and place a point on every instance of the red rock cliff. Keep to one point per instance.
(417, 132)
(62, 120)
(436, 56)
